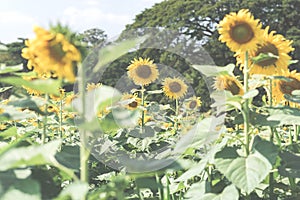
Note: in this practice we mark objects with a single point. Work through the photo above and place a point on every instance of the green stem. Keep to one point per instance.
(176, 114)
(246, 105)
(295, 133)
(60, 119)
(84, 151)
(271, 93)
(271, 175)
(168, 195)
(160, 191)
(44, 134)
(143, 104)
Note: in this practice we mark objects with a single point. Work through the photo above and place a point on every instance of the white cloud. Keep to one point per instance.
(82, 19)
(8, 17)
(92, 2)
(16, 24)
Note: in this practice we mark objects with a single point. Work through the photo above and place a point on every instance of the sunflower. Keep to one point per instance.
(174, 88)
(132, 101)
(92, 86)
(272, 43)
(282, 87)
(142, 71)
(51, 53)
(1, 111)
(31, 91)
(229, 83)
(59, 97)
(69, 98)
(2, 127)
(240, 31)
(193, 103)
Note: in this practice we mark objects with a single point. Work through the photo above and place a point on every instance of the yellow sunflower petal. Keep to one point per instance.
(282, 87)
(142, 71)
(272, 43)
(193, 103)
(229, 83)
(51, 53)
(174, 88)
(240, 31)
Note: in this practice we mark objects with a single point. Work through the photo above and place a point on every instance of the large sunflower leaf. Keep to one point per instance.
(115, 50)
(48, 86)
(29, 156)
(245, 173)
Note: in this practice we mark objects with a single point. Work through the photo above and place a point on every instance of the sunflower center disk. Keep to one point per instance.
(56, 52)
(288, 87)
(193, 104)
(143, 71)
(233, 87)
(133, 104)
(267, 48)
(175, 87)
(241, 33)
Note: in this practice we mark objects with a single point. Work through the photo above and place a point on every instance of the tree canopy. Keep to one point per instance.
(198, 19)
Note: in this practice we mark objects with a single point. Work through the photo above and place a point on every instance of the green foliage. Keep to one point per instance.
(198, 19)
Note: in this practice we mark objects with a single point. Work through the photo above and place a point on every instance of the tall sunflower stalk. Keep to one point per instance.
(142, 72)
(242, 34)
(175, 88)
(53, 53)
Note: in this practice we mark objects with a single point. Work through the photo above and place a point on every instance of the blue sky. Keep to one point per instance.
(17, 17)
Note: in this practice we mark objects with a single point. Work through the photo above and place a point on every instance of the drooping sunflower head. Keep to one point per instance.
(51, 52)
(174, 88)
(240, 31)
(193, 103)
(274, 44)
(132, 101)
(282, 87)
(142, 71)
(229, 83)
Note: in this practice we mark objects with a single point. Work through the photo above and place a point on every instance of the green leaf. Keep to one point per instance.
(195, 191)
(250, 94)
(13, 113)
(197, 169)
(97, 100)
(245, 173)
(285, 115)
(3, 89)
(263, 57)
(29, 156)
(115, 50)
(212, 70)
(290, 165)
(229, 193)
(296, 92)
(9, 69)
(12, 131)
(74, 191)
(266, 148)
(201, 134)
(49, 86)
(27, 189)
(292, 98)
(29, 103)
(69, 156)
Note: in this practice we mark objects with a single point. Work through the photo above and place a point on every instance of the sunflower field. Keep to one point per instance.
(65, 135)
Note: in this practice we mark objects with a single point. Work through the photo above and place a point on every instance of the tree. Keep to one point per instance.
(198, 19)
(93, 37)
